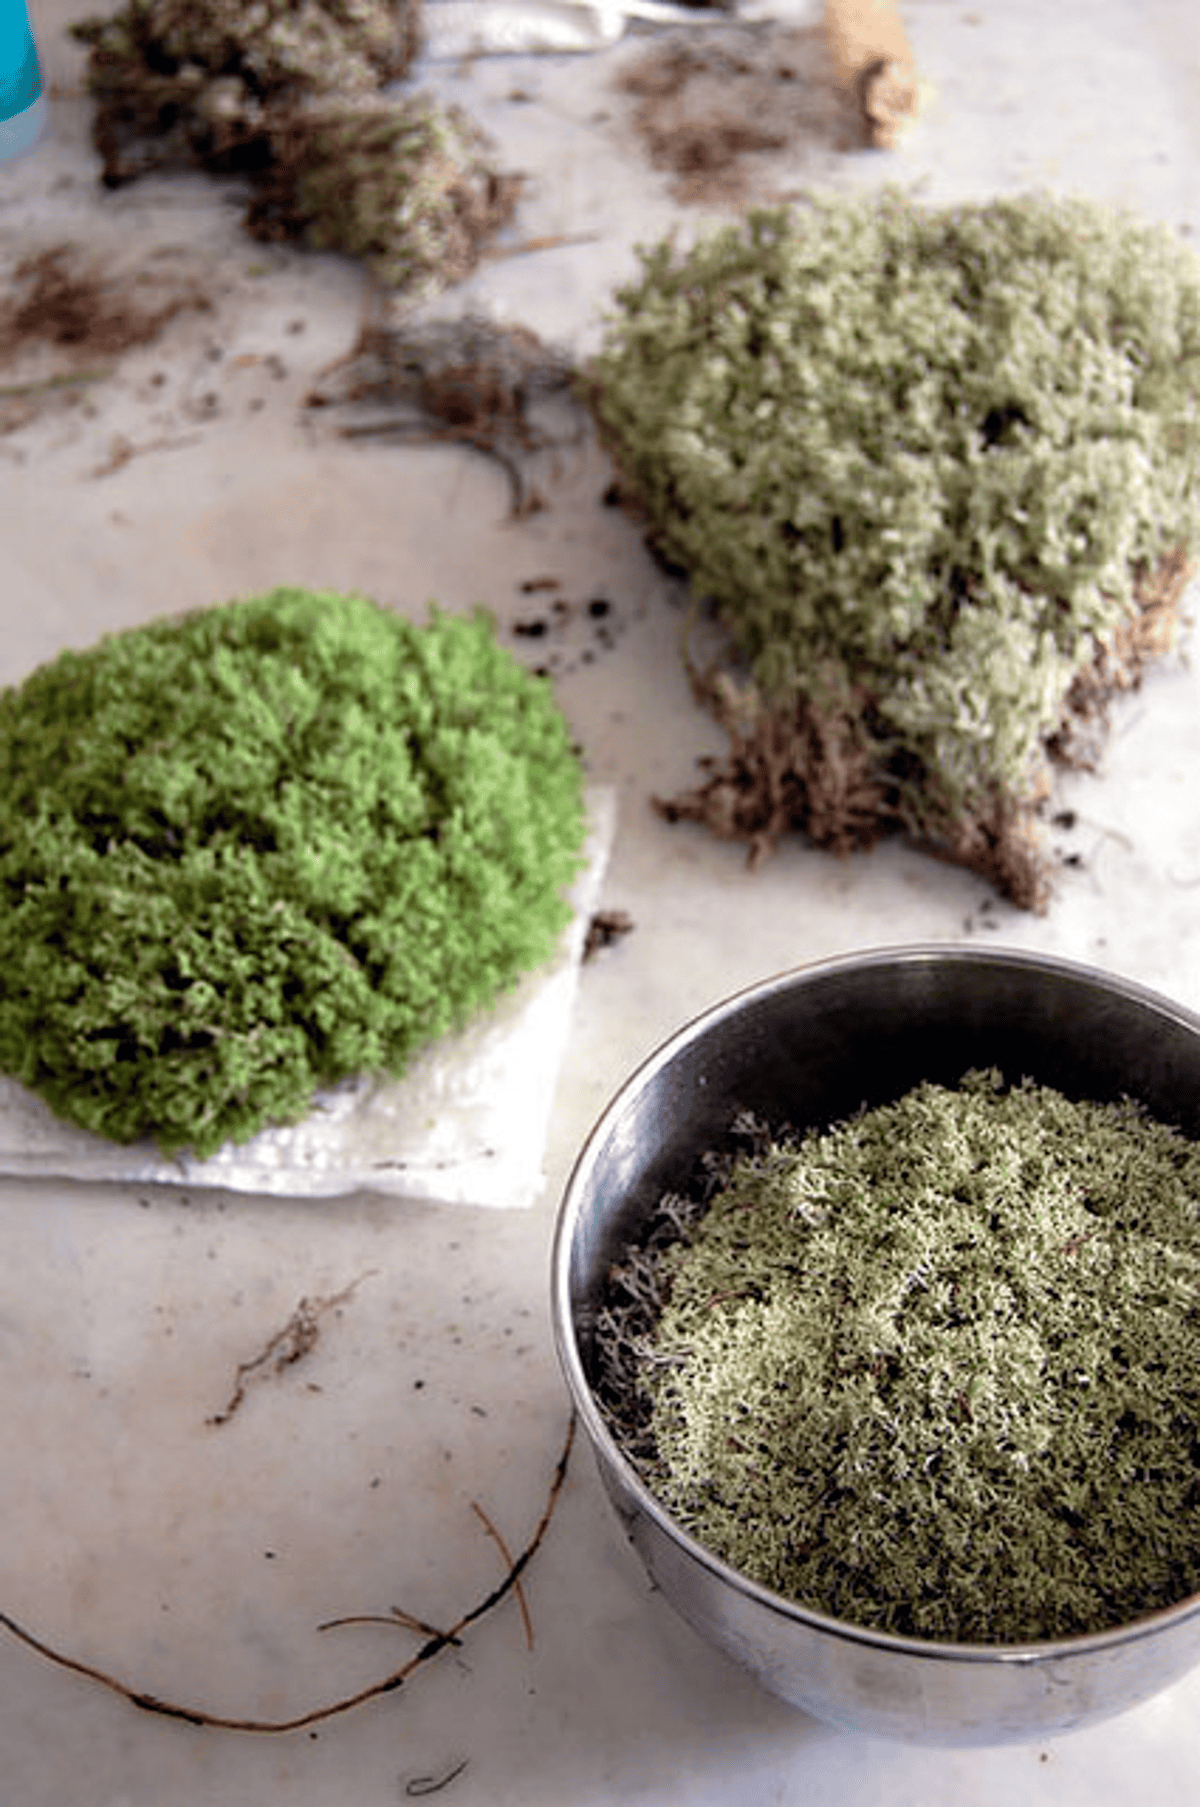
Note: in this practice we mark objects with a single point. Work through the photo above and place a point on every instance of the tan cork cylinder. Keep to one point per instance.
(874, 62)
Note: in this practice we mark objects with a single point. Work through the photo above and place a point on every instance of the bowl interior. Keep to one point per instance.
(814, 1046)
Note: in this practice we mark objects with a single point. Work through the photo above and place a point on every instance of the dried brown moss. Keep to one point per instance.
(205, 80)
(290, 95)
(463, 382)
(405, 185)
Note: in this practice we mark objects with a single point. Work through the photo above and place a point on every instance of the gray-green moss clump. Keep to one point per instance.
(291, 97)
(936, 1371)
(265, 847)
(940, 472)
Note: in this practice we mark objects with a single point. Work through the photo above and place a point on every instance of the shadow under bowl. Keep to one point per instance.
(810, 1048)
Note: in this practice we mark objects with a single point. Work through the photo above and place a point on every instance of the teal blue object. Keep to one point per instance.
(22, 103)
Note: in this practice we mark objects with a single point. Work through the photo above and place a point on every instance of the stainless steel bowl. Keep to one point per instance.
(811, 1047)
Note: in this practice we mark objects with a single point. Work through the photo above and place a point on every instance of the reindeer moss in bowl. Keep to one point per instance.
(931, 1371)
(264, 847)
(939, 471)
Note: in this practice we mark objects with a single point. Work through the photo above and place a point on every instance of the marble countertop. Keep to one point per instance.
(196, 1560)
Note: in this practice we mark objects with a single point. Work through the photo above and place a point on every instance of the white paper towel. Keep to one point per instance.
(466, 1125)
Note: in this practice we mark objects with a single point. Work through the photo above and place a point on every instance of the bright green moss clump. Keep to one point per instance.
(937, 1370)
(929, 465)
(266, 847)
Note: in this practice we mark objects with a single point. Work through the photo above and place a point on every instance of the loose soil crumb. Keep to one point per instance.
(706, 108)
(467, 382)
(567, 633)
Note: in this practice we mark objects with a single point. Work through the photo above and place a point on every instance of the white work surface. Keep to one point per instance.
(194, 1561)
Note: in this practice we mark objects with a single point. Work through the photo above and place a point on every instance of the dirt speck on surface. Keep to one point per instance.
(706, 107)
(605, 929)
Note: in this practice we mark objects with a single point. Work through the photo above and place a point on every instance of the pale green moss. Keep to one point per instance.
(937, 1370)
(919, 459)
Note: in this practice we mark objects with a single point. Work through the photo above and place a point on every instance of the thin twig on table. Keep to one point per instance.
(388, 1684)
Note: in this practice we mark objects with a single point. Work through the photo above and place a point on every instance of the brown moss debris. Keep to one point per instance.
(469, 381)
(61, 297)
(707, 108)
(68, 315)
(291, 96)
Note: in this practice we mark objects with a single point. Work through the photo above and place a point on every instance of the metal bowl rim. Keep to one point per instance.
(912, 954)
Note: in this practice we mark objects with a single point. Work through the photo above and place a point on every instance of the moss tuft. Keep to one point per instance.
(406, 185)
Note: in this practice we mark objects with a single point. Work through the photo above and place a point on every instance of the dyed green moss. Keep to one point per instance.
(265, 847)
(937, 1370)
(919, 458)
